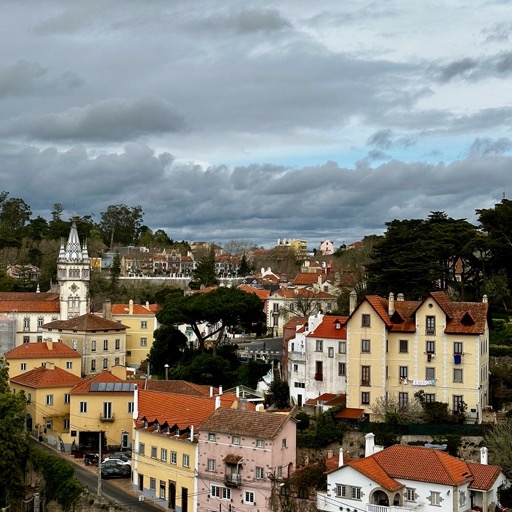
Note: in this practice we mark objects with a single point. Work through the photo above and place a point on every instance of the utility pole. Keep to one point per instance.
(99, 465)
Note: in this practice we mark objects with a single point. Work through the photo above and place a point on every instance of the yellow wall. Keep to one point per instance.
(15, 365)
(145, 467)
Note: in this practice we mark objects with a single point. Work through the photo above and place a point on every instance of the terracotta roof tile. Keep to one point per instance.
(350, 414)
(124, 309)
(42, 306)
(43, 377)
(306, 278)
(87, 322)
(246, 423)
(178, 409)
(182, 387)
(327, 328)
(372, 469)
(42, 351)
(484, 475)
(28, 296)
(104, 376)
(262, 294)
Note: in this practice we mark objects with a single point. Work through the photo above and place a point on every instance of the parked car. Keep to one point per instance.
(115, 471)
(120, 458)
(91, 459)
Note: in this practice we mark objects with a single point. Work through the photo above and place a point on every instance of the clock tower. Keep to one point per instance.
(73, 275)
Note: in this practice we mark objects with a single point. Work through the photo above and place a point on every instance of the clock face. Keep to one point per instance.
(73, 287)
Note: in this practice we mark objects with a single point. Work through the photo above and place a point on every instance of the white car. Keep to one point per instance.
(119, 458)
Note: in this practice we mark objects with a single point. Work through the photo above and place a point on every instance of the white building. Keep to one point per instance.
(402, 478)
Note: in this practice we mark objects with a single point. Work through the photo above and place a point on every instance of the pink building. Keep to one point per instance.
(242, 455)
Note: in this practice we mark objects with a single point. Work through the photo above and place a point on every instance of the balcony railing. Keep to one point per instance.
(233, 480)
(381, 508)
(110, 417)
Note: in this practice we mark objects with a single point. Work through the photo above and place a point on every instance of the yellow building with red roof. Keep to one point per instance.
(47, 389)
(165, 451)
(33, 355)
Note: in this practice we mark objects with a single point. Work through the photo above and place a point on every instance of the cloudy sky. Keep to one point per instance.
(258, 120)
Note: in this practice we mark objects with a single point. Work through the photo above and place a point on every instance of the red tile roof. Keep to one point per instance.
(306, 278)
(36, 306)
(177, 409)
(302, 292)
(87, 323)
(104, 376)
(350, 414)
(124, 309)
(28, 296)
(327, 328)
(262, 294)
(42, 351)
(43, 377)
(181, 387)
(484, 475)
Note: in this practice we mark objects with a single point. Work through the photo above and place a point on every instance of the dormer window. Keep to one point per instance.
(337, 325)
(211, 436)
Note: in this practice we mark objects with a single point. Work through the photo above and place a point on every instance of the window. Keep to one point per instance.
(83, 407)
(222, 493)
(249, 497)
(143, 324)
(295, 367)
(430, 325)
(341, 491)
(410, 494)
(153, 452)
(105, 363)
(355, 493)
(163, 455)
(235, 439)
(142, 449)
(458, 404)
(430, 397)
(143, 342)
(162, 489)
(365, 320)
(40, 322)
(117, 344)
(342, 347)
(67, 398)
(435, 498)
(457, 375)
(342, 369)
(152, 484)
(457, 347)
(280, 472)
(69, 365)
(66, 424)
(365, 398)
(285, 490)
(319, 370)
(174, 458)
(302, 493)
(116, 361)
(299, 384)
(403, 346)
(403, 400)
(26, 323)
(93, 365)
(260, 443)
(131, 407)
(186, 460)
(105, 344)
(211, 465)
(260, 473)
(74, 344)
(283, 443)
(365, 376)
(330, 351)
(403, 372)
(462, 498)
(49, 399)
(365, 346)
(319, 346)
(39, 339)
(107, 410)
(23, 366)
(93, 346)
(431, 347)
(211, 436)
(26, 339)
(430, 373)
(29, 398)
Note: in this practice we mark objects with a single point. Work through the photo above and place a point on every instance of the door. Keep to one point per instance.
(141, 482)
(184, 499)
(172, 495)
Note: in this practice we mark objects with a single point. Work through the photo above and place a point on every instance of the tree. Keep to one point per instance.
(244, 268)
(121, 224)
(206, 369)
(237, 247)
(499, 443)
(168, 348)
(14, 215)
(221, 308)
(204, 274)
(496, 288)
(389, 410)
(280, 393)
(13, 441)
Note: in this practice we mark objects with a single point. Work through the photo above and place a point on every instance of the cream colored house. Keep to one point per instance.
(396, 348)
(47, 389)
(101, 342)
(141, 323)
(103, 403)
(33, 355)
(165, 451)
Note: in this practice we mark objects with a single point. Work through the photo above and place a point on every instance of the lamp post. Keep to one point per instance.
(166, 366)
(99, 464)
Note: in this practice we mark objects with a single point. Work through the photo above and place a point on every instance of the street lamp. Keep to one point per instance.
(166, 366)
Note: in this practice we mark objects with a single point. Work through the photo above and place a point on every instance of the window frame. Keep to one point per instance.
(366, 320)
(458, 376)
(403, 346)
(366, 346)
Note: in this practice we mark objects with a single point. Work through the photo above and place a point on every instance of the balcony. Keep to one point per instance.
(232, 480)
(109, 418)
(395, 508)
(365, 382)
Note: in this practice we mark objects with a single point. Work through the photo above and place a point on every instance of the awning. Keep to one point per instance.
(350, 414)
(233, 459)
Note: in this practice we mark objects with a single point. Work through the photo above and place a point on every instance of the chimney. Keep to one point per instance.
(238, 391)
(147, 304)
(369, 447)
(483, 455)
(49, 365)
(391, 304)
(211, 391)
(260, 408)
(107, 309)
(220, 390)
(217, 401)
(191, 433)
(135, 401)
(352, 302)
(49, 344)
(130, 307)
(340, 457)
(484, 299)
(400, 297)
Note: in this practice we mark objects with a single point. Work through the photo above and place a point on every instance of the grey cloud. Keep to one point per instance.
(19, 78)
(381, 139)
(461, 68)
(487, 146)
(499, 32)
(108, 120)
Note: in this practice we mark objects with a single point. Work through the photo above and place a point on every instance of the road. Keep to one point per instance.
(108, 489)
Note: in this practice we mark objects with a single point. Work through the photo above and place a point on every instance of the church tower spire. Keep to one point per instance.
(73, 274)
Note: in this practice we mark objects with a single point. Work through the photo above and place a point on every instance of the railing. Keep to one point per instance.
(106, 418)
(395, 508)
(233, 480)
